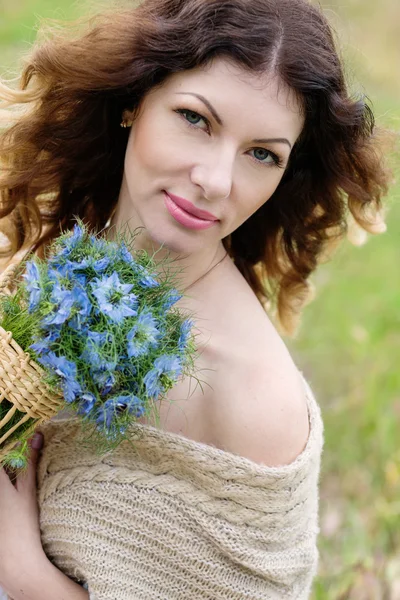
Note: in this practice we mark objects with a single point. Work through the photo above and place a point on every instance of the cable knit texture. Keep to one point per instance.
(169, 518)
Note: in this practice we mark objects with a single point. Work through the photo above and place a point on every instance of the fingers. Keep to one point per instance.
(6, 485)
(4, 476)
(27, 480)
(10, 474)
(37, 441)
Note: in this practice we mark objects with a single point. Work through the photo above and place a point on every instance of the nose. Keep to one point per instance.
(214, 175)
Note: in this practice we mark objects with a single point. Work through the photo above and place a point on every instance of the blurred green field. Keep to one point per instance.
(349, 342)
(349, 348)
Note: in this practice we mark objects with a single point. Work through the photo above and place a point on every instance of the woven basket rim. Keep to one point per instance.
(4, 334)
(23, 379)
(7, 277)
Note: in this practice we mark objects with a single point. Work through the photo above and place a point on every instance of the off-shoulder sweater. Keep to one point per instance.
(170, 518)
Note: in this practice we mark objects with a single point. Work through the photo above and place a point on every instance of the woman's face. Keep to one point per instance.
(217, 138)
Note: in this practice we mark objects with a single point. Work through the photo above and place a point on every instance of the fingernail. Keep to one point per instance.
(37, 441)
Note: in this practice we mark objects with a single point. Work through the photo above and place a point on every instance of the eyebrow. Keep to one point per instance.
(220, 122)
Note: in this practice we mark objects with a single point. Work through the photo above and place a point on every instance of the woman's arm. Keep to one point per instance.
(47, 583)
(25, 571)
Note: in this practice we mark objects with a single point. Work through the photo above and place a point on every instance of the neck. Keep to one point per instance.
(187, 269)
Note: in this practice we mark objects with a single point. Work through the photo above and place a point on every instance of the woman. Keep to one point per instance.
(241, 154)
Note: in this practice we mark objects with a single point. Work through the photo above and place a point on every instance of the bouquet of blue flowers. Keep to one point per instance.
(103, 333)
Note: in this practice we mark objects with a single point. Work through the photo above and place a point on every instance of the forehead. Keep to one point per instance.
(260, 101)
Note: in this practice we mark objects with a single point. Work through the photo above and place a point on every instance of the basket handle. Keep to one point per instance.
(7, 278)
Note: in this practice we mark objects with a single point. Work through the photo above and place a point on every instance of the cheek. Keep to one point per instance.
(254, 193)
(143, 149)
(156, 146)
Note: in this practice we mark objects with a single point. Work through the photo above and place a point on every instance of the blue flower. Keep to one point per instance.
(66, 370)
(109, 412)
(99, 337)
(124, 255)
(70, 242)
(65, 270)
(42, 345)
(73, 302)
(81, 309)
(71, 389)
(147, 281)
(17, 462)
(102, 246)
(32, 277)
(184, 335)
(152, 382)
(114, 298)
(105, 381)
(166, 371)
(63, 301)
(101, 368)
(92, 353)
(170, 365)
(98, 264)
(143, 335)
(97, 260)
(172, 297)
(86, 403)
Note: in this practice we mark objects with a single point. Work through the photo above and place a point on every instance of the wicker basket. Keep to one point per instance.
(21, 381)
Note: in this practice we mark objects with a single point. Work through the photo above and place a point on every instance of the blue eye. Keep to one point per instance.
(192, 117)
(264, 154)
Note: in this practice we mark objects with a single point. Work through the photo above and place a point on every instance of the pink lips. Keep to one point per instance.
(187, 214)
(190, 208)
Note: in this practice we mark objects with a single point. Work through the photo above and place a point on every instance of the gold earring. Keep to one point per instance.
(127, 120)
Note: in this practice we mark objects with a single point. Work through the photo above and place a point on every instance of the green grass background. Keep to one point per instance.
(349, 342)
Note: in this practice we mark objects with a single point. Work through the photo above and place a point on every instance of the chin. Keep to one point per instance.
(178, 241)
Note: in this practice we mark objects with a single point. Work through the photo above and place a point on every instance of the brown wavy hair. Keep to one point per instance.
(62, 149)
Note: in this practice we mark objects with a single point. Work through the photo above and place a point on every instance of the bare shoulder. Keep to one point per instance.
(254, 401)
(261, 411)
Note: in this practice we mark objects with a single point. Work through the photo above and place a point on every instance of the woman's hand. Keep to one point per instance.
(21, 551)
(25, 571)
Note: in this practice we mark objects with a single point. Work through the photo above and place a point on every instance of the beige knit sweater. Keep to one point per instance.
(169, 518)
